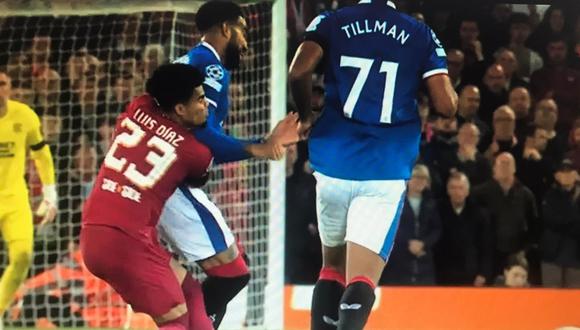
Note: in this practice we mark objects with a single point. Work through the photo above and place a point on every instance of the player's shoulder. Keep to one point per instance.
(23, 110)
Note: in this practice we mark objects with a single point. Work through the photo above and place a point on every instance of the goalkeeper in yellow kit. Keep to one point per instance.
(20, 136)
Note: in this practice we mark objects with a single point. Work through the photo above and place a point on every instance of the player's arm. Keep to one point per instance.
(227, 149)
(40, 153)
(308, 56)
(443, 96)
(435, 74)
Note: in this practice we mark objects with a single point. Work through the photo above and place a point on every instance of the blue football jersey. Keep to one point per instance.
(216, 85)
(374, 60)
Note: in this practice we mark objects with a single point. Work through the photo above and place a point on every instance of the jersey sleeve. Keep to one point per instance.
(319, 30)
(435, 61)
(34, 136)
(224, 148)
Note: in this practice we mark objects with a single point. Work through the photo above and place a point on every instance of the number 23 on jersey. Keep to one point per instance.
(161, 156)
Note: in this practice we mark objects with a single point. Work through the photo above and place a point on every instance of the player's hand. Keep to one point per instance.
(275, 151)
(286, 131)
(306, 125)
(47, 208)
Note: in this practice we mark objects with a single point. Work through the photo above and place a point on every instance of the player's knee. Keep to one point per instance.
(21, 259)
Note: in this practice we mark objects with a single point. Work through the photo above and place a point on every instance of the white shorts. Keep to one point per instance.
(363, 212)
(193, 226)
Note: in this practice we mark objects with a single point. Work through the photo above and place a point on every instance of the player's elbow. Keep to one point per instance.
(297, 73)
(446, 105)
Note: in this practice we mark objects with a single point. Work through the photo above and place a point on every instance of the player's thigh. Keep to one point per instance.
(333, 197)
(138, 268)
(193, 226)
(16, 223)
(374, 213)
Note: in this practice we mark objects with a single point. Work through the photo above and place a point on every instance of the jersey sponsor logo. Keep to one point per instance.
(124, 191)
(215, 72)
(314, 24)
(7, 149)
(183, 59)
(17, 127)
(344, 306)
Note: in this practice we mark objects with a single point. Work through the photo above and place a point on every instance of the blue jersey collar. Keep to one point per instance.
(389, 3)
(210, 47)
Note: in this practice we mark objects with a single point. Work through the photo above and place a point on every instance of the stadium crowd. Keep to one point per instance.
(494, 197)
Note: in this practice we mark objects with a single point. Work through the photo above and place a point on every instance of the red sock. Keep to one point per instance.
(179, 323)
(198, 319)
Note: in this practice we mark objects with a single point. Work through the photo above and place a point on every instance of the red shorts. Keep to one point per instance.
(137, 267)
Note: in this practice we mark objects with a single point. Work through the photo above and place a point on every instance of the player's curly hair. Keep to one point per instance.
(172, 84)
(216, 12)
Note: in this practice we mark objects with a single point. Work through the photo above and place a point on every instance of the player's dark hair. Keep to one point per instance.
(172, 84)
(216, 12)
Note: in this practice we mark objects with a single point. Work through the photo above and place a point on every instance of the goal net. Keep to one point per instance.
(77, 65)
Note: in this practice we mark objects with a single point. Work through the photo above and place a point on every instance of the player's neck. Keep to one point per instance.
(217, 43)
(175, 118)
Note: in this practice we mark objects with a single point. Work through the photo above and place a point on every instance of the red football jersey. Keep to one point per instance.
(149, 157)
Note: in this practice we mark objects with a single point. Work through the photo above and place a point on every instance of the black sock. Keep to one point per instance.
(355, 306)
(218, 292)
(325, 300)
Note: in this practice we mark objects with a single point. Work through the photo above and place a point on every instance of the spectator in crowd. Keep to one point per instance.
(533, 167)
(515, 272)
(153, 57)
(463, 255)
(528, 60)
(105, 130)
(442, 145)
(469, 41)
(504, 138)
(51, 127)
(575, 45)
(493, 92)
(553, 24)
(467, 111)
(128, 39)
(77, 64)
(574, 144)
(496, 28)
(520, 102)
(19, 67)
(559, 82)
(546, 117)
(411, 261)
(303, 261)
(122, 92)
(455, 65)
(512, 210)
(508, 61)
(46, 85)
(40, 52)
(467, 158)
(561, 236)
(23, 95)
